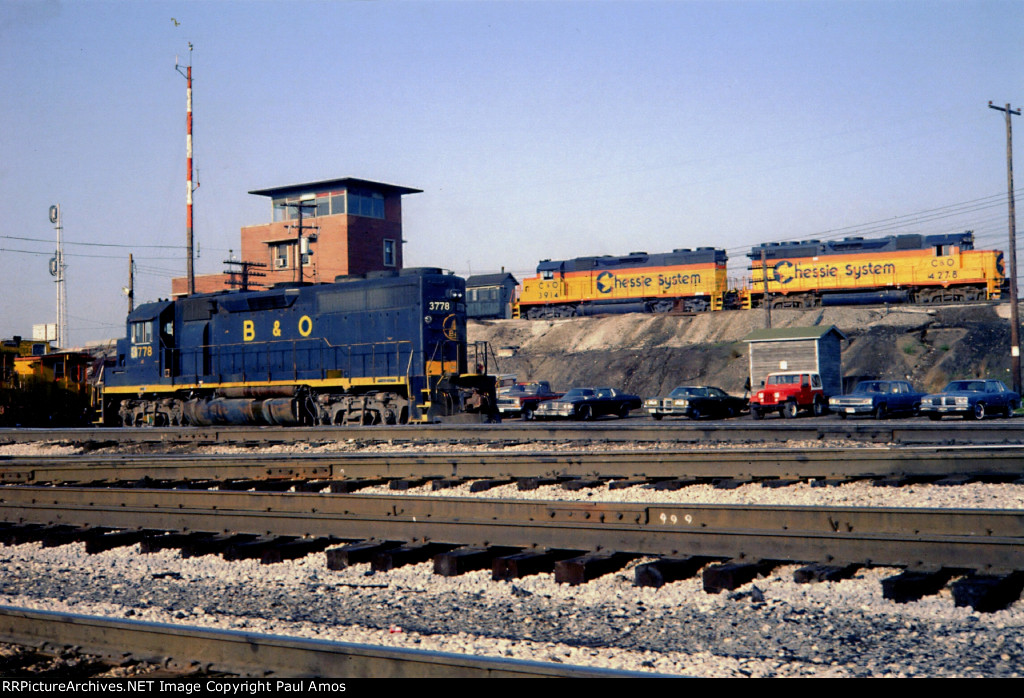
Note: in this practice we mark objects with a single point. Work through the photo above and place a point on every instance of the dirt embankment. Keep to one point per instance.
(651, 354)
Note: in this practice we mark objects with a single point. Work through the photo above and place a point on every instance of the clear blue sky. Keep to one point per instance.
(536, 129)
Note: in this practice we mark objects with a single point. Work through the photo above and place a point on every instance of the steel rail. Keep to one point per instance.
(256, 655)
(751, 463)
(991, 540)
(640, 430)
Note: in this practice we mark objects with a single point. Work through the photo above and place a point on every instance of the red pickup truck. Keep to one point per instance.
(789, 393)
(523, 398)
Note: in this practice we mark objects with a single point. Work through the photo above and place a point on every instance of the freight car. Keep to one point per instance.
(681, 280)
(893, 269)
(39, 387)
(386, 349)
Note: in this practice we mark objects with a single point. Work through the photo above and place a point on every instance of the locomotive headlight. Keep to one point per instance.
(454, 293)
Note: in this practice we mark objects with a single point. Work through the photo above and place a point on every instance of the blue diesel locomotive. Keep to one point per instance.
(386, 349)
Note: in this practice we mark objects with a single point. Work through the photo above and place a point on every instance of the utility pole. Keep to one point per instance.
(1014, 317)
(189, 188)
(299, 206)
(245, 272)
(130, 291)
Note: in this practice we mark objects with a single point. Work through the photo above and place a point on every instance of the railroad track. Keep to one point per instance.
(576, 540)
(191, 650)
(997, 431)
(322, 470)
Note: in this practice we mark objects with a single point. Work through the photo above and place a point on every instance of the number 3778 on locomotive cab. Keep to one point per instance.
(390, 349)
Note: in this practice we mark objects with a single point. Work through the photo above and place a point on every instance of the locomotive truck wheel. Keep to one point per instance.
(788, 410)
(979, 411)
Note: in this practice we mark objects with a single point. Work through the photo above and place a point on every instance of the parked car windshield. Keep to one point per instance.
(872, 387)
(688, 392)
(532, 389)
(956, 386)
(785, 380)
(578, 392)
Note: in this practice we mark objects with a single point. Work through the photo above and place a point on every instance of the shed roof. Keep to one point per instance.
(490, 279)
(783, 334)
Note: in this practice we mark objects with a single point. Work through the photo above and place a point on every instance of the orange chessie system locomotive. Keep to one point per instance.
(893, 269)
(681, 280)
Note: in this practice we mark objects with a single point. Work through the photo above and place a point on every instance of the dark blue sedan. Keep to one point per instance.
(973, 399)
(879, 399)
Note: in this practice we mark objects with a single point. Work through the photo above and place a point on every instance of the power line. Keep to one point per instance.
(93, 244)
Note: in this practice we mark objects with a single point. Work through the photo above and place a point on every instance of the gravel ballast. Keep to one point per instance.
(770, 627)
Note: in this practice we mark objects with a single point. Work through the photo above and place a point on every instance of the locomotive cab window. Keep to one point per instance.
(142, 332)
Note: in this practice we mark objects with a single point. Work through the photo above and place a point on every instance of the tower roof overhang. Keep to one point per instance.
(328, 184)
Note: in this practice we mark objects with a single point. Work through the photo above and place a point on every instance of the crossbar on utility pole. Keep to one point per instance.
(1014, 318)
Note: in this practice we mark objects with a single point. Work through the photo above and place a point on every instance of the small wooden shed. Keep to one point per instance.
(797, 349)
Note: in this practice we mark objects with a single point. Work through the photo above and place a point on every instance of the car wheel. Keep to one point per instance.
(695, 413)
(880, 412)
(788, 410)
(586, 413)
(935, 417)
(756, 413)
(658, 416)
(622, 412)
(978, 412)
(820, 408)
(842, 415)
(528, 413)
(730, 412)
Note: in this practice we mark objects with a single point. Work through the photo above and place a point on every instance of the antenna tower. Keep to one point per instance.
(189, 188)
(57, 268)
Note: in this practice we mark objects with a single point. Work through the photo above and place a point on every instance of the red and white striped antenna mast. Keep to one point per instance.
(190, 187)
